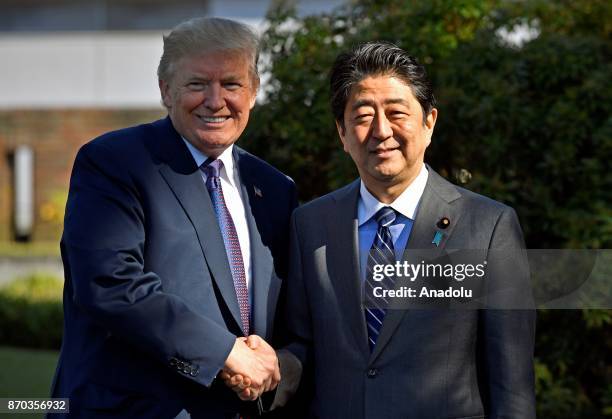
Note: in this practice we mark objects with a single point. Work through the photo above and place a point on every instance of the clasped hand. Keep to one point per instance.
(251, 368)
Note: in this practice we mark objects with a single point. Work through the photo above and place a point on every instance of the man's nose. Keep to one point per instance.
(381, 129)
(214, 97)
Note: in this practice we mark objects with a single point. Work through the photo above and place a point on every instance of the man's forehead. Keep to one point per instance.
(215, 56)
(385, 89)
(219, 62)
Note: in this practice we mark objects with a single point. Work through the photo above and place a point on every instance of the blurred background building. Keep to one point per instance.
(72, 70)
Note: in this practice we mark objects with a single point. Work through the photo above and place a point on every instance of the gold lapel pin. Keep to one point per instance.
(443, 223)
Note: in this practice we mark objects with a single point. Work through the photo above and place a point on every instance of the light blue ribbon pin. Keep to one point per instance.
(437, 238)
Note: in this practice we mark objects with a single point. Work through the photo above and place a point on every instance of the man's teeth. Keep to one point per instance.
(213, 119)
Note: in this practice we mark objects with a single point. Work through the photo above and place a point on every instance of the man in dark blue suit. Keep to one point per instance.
(174, 244)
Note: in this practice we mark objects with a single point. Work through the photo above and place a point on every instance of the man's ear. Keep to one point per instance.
(342, 134)
(166, 94)
(430, 122)
(254, 90)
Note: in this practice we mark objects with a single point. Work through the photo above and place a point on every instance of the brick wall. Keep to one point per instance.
(55, 137)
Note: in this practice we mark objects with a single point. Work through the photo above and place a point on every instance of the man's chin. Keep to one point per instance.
(213, 147)
(385, 172)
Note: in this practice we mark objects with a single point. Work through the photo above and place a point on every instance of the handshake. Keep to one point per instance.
(251, 368)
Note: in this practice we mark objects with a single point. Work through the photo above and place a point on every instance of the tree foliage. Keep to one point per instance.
(529, 124)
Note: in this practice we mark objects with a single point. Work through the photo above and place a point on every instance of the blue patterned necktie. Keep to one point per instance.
(381, 253)
(230, 239)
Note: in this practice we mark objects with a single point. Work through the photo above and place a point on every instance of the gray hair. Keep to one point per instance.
(208, 34)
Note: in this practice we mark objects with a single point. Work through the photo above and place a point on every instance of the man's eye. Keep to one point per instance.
(196, 85)
(232, 86)
(364, 117)
(397, 114)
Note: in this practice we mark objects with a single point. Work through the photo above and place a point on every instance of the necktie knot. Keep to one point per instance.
(385, 216)
(212, 169)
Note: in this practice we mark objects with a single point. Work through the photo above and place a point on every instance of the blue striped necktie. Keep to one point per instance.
(230, 239)
(381, 253)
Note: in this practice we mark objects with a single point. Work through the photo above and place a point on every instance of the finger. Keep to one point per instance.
(256, 382)
(253, 341)
(236, 380)
(253, 394)
(239, 388)
(274, 383)
(267, 384)
(245, 394)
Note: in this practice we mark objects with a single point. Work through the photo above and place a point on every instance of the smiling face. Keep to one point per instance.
(209, 99)
(384, 133)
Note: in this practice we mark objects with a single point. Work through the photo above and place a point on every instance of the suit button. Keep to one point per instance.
(372, 372)
(173, 362)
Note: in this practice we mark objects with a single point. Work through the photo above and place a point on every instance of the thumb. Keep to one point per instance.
(253, 341)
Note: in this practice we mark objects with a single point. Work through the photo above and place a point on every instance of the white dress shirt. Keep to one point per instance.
(232, 192)
(406, 205)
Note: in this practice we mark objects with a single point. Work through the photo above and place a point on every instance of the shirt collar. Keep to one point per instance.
(226, 157)
(406, 204)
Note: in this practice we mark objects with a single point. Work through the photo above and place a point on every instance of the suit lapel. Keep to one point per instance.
(343, 261)
(434, 205)
(262, 265)
(184, 179)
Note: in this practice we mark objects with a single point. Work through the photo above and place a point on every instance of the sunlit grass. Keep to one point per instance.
(40, 249)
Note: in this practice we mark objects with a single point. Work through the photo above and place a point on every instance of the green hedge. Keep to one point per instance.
(31, 312)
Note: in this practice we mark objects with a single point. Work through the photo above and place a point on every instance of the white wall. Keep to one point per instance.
(101, 69)
(79, 69)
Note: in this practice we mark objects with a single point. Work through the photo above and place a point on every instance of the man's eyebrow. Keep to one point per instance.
(231, 77)
(367, 102)
(397, 101)
(362, 102)
(226, 78)
(196, 77)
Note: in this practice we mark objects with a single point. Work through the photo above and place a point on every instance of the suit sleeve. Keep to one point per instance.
(508, 329)
(103, 250)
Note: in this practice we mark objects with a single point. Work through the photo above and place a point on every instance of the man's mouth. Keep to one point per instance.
(214, 119)
(383, 152)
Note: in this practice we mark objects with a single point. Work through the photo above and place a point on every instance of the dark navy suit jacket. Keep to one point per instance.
(150, 308)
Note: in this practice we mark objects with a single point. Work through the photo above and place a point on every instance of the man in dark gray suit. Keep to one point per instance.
(371, 361)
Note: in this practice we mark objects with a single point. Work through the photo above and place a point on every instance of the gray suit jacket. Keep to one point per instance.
(440, 363)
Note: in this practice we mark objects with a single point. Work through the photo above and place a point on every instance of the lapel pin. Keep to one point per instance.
(443, 223)
(437, 238)
(257, 191)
